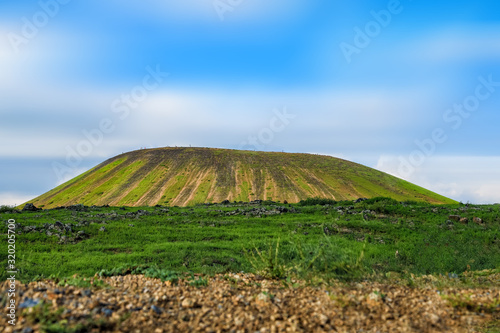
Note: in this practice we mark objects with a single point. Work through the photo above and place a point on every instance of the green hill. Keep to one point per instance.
(187, 176)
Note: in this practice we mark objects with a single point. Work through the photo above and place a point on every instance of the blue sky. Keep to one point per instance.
(67, 65)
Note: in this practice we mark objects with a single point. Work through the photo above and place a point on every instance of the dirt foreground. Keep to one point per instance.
(248, 303)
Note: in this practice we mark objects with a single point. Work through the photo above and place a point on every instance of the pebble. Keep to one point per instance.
(187, 303)
(28, 303)
(156, 309)
(107, 312)
(248, 306)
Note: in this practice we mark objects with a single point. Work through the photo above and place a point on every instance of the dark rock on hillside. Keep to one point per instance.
(30, 228)
(78, 208)
(65, 232)
(81, 235)
(259, 211)
(455, 218)
(139, 213)
(17, 225)
(328, 231)
(29, 207)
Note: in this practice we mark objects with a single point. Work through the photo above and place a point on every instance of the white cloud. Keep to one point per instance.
(75, 172)
(341, 119)
(11, 199)
(31, 73)
(9, 60)
(458, 43)
(488, 192)
(244, 12)
(474, 179)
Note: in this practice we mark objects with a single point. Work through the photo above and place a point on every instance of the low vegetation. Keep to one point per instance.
(314, 239)
(355, 264)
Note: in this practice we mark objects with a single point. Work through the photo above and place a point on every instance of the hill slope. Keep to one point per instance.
(186, 176)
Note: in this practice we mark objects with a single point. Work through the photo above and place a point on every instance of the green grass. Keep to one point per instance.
(144, 185)
(202, 191)
(78, 186)
(121, 176)
(173, 191)
(299, 179)
(343, 240)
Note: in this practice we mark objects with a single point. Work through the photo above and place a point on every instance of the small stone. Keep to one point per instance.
(433, 318)
(187, 303)
(28, 303)
(373, 299)
(262, 299)
(156, 309)
(107, 312)
(323, 319)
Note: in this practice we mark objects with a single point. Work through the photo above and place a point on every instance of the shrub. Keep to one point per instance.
(8, 209)
(151, 272)
(381, 205)
(317, 201)
(385, 200)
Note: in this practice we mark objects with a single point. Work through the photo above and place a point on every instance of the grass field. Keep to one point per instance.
(311, 239)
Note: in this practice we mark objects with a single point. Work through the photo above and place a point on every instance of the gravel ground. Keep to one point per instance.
(248, 303)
